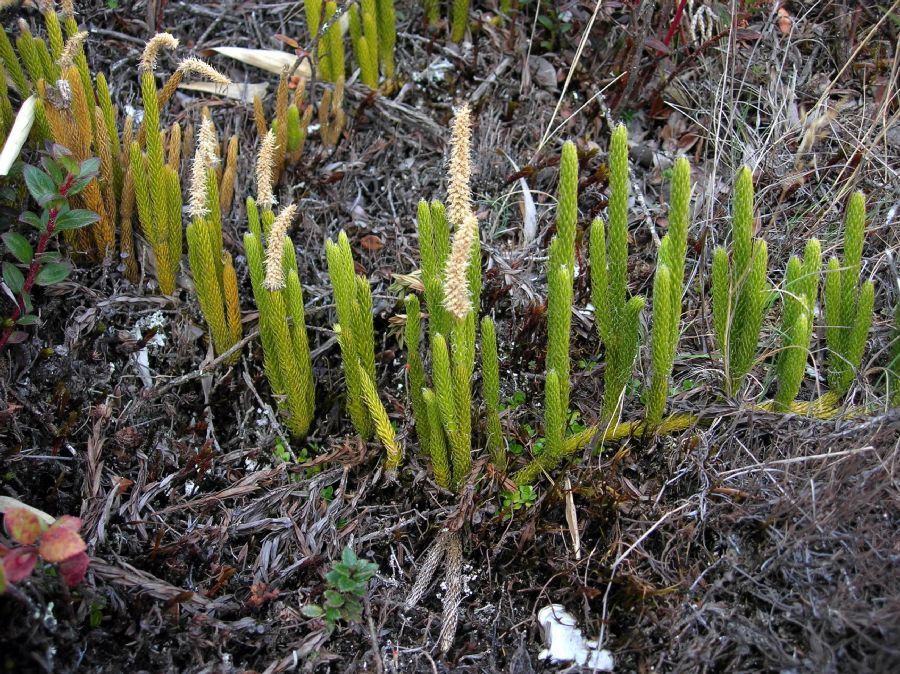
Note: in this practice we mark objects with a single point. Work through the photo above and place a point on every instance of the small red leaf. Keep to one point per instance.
(289, 41)
(19, 563)
(371, 242)
(22, 525)
(73, 569)
(67, 522)
(59, 543)
(658, 45)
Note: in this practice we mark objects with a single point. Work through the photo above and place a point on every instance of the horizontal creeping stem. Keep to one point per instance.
(825, 407)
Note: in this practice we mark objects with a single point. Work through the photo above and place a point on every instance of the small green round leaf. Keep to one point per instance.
(348, 557)
(313, 611)
(54, 272)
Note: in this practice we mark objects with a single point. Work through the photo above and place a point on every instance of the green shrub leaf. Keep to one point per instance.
(19, 247)
(55, 272)
(75, 219)
(13, 277)
(39, 184)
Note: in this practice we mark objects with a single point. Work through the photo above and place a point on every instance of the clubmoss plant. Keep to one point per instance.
(432, 11)
(279, 298)
(12, 67)
(334, 43)
(58, 74)
(434, 247)
(848, 307)
(229, 175)
(559, 310)
(364, 35)
(415, 369)
(459, 17)
(224, 157)
(313, 11)
(353, 298)
(667, 290)
(36, 59)
(331, 115)
(387, 36)
(801, 289)
(156, 186)
(451, 277)
(437, 442)
(188, 66)
(378, 414)
(214, 278)
(71, 124)
(7, 116)
(739, 288)
(328, 32)
(454, 354)
(610, 433)
(290, 124)
(617, 318)
(373, 35)
(893, 368)
(490, 391)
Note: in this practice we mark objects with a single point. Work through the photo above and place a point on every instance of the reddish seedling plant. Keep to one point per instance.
(51, 185)
(30, 540)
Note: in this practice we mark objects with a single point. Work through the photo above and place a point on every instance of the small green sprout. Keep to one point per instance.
(347, 583)
(523, 497)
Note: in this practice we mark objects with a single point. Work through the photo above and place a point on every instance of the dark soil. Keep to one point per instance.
(752, 542)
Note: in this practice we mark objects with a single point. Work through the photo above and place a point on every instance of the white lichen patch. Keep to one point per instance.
(155, 320)
(565, 643)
